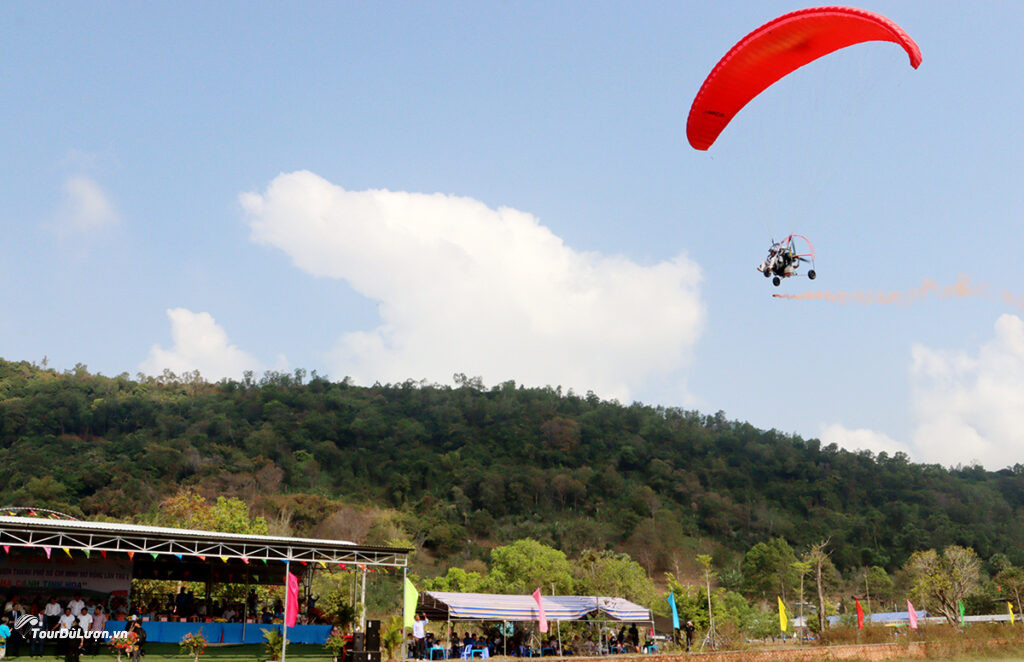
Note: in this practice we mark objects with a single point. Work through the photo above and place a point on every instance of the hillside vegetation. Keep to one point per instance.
(459, 470)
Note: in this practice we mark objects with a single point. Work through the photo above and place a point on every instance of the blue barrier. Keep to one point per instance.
(225, 633)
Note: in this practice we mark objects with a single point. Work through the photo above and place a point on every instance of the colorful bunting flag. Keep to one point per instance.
(87, 553)
(131, 555)
(7, 549)
(291, 601)
(47, 550)
(245, 560)
(67, 551)
(103, 553)
(153, 554)
(542, 618)
(201, 557)
(675, 611)
(224, 559)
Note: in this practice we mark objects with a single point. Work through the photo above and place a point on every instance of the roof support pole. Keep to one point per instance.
(284, 623)
(362, 604)
(404, 647)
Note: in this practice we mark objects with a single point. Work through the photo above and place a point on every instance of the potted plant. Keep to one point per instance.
(123, 642)
(194, 645)
(391, 637)
(273, 643)
(335, 644)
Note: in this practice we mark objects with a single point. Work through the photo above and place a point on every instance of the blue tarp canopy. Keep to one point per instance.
(442, 606)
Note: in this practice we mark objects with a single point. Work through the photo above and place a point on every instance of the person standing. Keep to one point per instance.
(75, 643)
(52, 612)
(35, 633)
(136, 650)
(65, 622)
(77, 605)
(688, 629)
(250, 605)
(5, 634)
(419, 635)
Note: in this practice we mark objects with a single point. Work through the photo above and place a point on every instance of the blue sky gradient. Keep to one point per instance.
(130, 132)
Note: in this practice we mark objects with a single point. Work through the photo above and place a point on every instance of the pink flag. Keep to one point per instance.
(291, 601)
(47, 550)
(543, 620)
(913, 615)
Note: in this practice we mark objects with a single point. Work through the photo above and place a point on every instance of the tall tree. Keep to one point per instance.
(1010, 581)
(820, 562)
(768, 568)
(941, 580)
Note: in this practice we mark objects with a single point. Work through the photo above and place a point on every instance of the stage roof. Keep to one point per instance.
(441, 606)
(167, 553)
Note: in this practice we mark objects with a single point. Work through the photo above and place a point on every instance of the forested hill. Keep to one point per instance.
(459, 469)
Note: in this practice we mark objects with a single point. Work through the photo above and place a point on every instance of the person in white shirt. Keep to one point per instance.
(67, 620)
(52, 613)
(419, 635)
(77, 605)
(85, 620)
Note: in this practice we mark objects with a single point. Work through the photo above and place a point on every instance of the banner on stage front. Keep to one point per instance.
(34, 573)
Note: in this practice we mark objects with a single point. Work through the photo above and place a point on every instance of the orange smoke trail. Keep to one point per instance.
(961, 289)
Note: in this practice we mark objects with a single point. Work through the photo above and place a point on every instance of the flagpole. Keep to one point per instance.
(362, 602)
(284, 622)
(405, 647)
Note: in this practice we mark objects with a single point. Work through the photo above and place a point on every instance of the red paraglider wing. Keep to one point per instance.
(776, 49)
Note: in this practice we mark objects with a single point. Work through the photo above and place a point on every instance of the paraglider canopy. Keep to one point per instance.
(774, 50)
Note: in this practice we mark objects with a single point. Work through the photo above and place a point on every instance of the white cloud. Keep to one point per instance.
(971, 408)
(85, 208)
(488, 292)
(199, 344)
(862, 439)
(966, 409)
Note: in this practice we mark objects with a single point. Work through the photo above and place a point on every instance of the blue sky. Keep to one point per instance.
(409, 190)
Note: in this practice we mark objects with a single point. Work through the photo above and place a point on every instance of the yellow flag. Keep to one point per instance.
(1009, 605)
(783, 621)
(411, 597)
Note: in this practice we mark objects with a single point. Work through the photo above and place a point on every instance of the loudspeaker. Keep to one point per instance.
(366, 656)
(372, 635)
(358, 642)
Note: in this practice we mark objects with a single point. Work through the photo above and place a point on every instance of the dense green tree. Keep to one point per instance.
(768, 569)
(610, 574)
(527, 565)
(942, 580)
